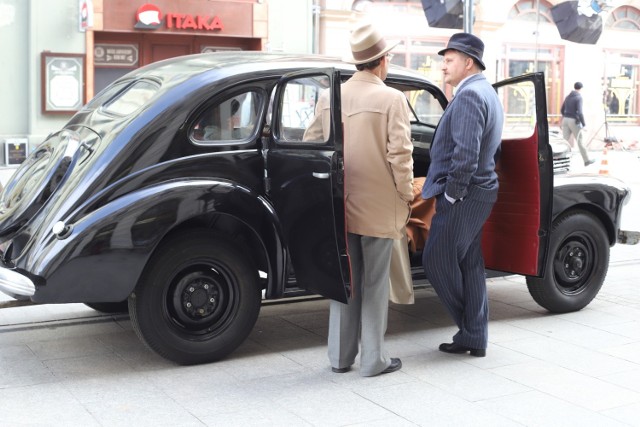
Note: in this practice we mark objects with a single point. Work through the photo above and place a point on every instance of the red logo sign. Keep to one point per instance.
(149, 17)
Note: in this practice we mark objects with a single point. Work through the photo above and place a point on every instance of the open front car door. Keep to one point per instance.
(516, 235)
(304, 178)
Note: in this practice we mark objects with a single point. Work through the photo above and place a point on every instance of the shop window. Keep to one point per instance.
(233, 119)
(422, 55)
(622, 77)
(523, 59)
(624, 18)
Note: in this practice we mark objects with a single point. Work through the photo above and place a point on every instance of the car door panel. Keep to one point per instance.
(515, 237)
(306, 183)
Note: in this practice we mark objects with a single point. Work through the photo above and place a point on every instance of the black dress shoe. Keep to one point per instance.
(394, 366)
(341, 370)
(458, 349)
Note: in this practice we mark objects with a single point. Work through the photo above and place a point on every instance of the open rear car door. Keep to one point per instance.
(305, 181)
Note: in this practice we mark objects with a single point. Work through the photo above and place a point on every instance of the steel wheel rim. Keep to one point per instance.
(574, 262)
(201, 301)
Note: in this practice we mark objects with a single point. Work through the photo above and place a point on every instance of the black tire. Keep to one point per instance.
(198, 299)
(109, 307)
(577, 264)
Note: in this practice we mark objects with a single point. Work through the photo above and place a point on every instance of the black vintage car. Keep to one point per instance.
(185, 190)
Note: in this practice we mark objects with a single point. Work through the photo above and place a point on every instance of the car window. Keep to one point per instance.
(519, 104)
(233, 119)
(131, 99)
(105, 95)
(425, 106)
(298, 121)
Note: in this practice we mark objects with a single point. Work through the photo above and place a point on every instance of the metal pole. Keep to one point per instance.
(315, 8)
(535, 57)
(467, 17)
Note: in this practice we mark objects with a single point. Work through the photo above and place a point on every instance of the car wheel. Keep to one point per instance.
(109, 307)
(577, 265)
(198, 299)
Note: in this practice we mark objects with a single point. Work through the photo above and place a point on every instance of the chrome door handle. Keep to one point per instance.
(321, 175)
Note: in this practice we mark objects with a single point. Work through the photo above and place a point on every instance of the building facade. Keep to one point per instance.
(520, 36)
(58, 53)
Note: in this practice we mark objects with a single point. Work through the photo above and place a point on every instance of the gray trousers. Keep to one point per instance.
(570, 127)
(453, 263)
(365, 316)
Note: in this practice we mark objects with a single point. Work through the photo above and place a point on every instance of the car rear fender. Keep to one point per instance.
(101, 256)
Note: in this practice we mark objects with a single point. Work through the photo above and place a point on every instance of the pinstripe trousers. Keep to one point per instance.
(365, 316)
(453, 263)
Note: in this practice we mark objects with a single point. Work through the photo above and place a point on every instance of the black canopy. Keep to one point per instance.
(443, 13)
(574, 26)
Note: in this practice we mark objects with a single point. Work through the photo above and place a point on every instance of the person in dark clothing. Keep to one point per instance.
(573, 121)
(463, 180)
(614, 104)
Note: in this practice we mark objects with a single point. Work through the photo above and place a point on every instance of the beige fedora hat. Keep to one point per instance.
(367, 44)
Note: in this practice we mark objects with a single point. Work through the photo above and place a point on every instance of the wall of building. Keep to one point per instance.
(14, 82)
(26, 30)
(291, 26)
(502, 36)
(30, 27)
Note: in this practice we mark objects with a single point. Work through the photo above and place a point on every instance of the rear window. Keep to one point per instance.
(131, 98)
(105, 95)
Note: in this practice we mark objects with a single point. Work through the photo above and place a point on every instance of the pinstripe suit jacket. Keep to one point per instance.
(463, 151)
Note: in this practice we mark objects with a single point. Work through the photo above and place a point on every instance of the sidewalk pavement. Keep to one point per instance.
(68, 365)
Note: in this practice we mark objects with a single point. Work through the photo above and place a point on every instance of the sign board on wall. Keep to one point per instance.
(85, 14)
(15, 150)
(151, 17)
(63, 82)
(229, 18)
(115, 55)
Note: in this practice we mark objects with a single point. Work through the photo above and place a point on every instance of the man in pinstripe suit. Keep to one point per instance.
(462, 177)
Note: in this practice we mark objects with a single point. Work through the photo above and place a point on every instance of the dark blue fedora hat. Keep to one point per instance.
(466, 43)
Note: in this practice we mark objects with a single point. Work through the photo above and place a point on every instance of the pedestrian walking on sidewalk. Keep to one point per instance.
(573, 121)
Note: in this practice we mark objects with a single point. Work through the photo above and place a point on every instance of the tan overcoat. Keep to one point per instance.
(377, 151)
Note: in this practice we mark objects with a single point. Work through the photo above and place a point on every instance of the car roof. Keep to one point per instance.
(198, 76)
(230, 63)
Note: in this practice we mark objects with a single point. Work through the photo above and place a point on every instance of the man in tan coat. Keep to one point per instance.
(378, 191)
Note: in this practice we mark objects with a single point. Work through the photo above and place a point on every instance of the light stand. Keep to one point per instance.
(608, 139)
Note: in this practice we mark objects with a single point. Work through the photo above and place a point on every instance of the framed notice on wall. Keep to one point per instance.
(63, 82)
(15, 150)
